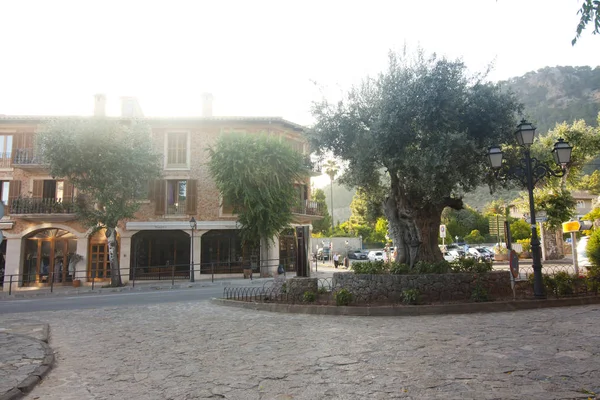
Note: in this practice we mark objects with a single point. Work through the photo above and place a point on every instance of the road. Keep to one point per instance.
(87, 301)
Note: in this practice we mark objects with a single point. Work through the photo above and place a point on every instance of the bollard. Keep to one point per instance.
(10, 286)
(51, 281)
(172, 273)
(212, 278)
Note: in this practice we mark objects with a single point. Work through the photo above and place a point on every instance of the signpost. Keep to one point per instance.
(572, 227)
(497, 226)
(443, 235)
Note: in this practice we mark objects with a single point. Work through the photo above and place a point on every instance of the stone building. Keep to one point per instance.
(43, 240)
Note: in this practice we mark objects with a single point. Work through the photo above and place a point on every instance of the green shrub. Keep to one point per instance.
(472, 265)
(322, 290)
(399, 269)
(479, 294)
(342, 297)
(439, 267)
(410, 296)
(284, 288)
(370, 267)
(309, 297)
(564, 283)
(526, 244)
(593, 248)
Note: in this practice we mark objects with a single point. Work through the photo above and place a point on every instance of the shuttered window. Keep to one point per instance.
(13, 192)
(177, 149)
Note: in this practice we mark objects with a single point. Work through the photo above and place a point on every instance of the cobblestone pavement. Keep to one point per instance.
(198, 350)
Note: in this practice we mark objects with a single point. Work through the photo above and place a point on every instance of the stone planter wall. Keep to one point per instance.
(431, 287)
(295, 287)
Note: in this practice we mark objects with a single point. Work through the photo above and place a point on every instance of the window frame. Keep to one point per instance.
(177, 167)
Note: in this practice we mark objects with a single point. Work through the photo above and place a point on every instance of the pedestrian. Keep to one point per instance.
(336, 259)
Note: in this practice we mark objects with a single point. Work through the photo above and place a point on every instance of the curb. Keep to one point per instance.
(410, 311)
(37, 375)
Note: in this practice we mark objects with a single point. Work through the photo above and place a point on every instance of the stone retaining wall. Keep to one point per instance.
(431, 287)
(295, 287)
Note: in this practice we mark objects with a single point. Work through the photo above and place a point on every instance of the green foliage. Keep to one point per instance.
(322, 290)
(419, 131)
(593, 248)
(257, 175)
(563, 283)
(437, 267)
(397, 268)
(109, 161)
(590, 13)
(323, 225)
(284, 288)
(370, 267)
(556, 201)
(411, 296)
(474, 237)
(309, 297)
(590, 183)
(472, 265)
(462, 222)
(342, 297)
(520, 229)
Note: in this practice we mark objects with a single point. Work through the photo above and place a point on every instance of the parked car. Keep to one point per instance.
(480, 253)
(456, 253)
(357, 255)
(448, 257)
(377, 255)
(582, 257)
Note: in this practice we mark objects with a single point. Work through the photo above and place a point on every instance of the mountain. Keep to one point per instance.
(555, 94)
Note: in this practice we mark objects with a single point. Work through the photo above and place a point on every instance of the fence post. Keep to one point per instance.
(133, 275)
(212, 269)
(51, 281)
(172, 274)
(10, 286)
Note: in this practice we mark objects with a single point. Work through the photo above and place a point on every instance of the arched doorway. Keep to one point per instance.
(48, 255)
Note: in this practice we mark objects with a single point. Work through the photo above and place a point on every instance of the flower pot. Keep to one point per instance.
(500, 257)
(76, 283)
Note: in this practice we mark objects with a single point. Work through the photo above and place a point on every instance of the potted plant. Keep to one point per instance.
(73, 261)
(500, 253)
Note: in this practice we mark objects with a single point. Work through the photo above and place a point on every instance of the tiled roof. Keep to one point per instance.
(150, 119)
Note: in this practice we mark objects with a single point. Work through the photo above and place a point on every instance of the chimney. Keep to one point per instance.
(100, 105)
(130, 108)
(207, 104)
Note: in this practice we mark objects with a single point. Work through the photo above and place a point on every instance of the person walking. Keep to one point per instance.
(336, 259)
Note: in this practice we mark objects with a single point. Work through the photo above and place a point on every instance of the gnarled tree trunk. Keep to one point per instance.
(113, 257)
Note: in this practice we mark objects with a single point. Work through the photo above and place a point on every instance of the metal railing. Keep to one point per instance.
(308, 207)
(5, 160)
(176, 209)
(27, 156)
(28, 205)
(167, 272)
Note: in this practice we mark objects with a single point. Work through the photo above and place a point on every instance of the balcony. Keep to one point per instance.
(307, 210)
(50, 210)
(28, 159)
(313, 166)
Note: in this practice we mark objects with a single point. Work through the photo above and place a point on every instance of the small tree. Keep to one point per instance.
(257, 175)
(519, 230)
(474, 237)
(110, 163)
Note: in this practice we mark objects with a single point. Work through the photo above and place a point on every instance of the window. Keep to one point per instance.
(177, 150)
(580, 203)
(4, 189)
(5, 150)
(176, 197)
(49, 189)
(226, 206)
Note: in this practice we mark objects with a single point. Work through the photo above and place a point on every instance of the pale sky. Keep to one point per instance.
(258, 58)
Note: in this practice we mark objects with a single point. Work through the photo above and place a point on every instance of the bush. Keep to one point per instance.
(440, 267)
(399, 269)
(309, 297)
(593, 248)
(322, 290)
(410, 296)
(472, 265)
(342, 297)
(479, 294)
(526, 244)
(370, 267)
(564, 283)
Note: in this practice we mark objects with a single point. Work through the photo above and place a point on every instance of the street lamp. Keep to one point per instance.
(193, 225)
(528, 172)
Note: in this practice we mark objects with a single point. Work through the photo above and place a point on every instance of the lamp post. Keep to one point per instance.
(528, 172)
(193, 225)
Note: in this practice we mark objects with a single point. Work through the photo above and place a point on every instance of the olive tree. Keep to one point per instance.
(110, 164)
(421, 130)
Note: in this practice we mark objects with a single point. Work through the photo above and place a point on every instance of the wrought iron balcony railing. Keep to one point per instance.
(308, 207)
(27, 156)
(28, 205)
(312, 166)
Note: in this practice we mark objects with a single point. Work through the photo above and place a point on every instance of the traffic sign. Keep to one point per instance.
(571, 226)
(442, 231)
(514, 263)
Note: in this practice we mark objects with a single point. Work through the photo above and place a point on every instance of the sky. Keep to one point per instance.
(258, 58)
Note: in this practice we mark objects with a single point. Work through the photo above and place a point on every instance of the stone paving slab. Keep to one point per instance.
(197, 350)
(25, 357)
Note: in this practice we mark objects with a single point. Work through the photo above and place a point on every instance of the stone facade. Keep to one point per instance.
(201, 132)
(295, 287)
(431, 287)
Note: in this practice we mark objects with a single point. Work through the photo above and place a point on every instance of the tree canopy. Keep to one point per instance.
(256, 175)
(109, 162)
(590, 13)
(420, 130)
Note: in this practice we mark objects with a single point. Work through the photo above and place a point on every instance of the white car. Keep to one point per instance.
(448, 257)
(582, 257)
(377, 255)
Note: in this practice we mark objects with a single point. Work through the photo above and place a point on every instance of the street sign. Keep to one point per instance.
(442, 231)
(514, 264)
(571, 226)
